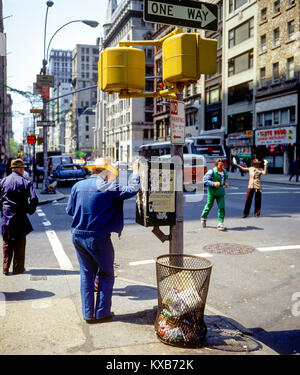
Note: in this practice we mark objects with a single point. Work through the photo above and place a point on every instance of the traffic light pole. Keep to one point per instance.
(176, 231)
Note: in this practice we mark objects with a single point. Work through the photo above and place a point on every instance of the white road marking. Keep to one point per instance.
(278, 248)
(46, 223)
(58, 250)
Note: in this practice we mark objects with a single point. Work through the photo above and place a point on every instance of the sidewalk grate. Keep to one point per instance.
(228, 248)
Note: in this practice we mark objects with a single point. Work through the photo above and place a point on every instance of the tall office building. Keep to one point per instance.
(60, 66)
(84, 74)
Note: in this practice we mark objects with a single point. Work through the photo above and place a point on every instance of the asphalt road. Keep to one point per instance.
(256, 270)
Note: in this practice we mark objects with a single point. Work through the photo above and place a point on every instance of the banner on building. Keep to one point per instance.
(276, 136)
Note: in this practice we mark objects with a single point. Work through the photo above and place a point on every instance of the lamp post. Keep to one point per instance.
(43, 72)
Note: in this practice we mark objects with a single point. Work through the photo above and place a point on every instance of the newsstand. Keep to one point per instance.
(182, 288)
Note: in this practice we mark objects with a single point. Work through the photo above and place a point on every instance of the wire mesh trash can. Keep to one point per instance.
(182, 287)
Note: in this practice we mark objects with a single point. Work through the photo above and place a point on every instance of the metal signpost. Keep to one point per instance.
(182, 13)
(190, 14)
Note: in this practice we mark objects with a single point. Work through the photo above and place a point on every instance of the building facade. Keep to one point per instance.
(60, 66)
(125, 124)
(277, 83)
(84, 76)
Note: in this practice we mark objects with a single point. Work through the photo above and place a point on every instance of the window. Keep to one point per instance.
(260, 118)
(145, 133)
(290, 71)
(268, 118)
(235, 4)
(292, 115)
(276, 8)
(285, 116)
(276, 115)
(87, 128)
(263, 43)
(290, 2)
(275, 72)
(276, 37)
(263, 14)
(87, 119)
(262, 77)
(213, 95)
(240, 63)
(291, 30)
(241, 33)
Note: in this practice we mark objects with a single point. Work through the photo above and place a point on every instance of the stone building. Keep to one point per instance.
(277, 82)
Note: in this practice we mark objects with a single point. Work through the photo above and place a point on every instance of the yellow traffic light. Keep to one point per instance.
(207, 55)
(121, 68)
(186, 56)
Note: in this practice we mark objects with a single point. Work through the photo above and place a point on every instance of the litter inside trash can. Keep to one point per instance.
(182, 282)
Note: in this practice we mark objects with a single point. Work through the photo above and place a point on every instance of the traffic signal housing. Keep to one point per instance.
(186, 56)
(121, 68)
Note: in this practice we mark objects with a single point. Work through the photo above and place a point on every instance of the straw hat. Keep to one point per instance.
(105, 164)
(17, 163)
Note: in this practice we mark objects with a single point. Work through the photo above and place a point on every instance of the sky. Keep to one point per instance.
(24, 29)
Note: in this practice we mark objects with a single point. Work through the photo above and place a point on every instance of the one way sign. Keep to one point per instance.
(182, 12)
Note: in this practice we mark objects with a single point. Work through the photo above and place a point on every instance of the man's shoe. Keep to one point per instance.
(221, 226)
(257, 215)
(203, 223)
(90, 321)
(244, 216)
(106, 318)
(5, 273)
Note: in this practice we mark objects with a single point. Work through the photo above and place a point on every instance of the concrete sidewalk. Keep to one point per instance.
(40, 313)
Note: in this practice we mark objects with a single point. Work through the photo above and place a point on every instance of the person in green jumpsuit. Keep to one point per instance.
(215, 180)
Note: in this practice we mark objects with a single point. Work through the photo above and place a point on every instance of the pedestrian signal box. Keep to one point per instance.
(186, 56)
(155, 201)
(121, 68)
(31, 139)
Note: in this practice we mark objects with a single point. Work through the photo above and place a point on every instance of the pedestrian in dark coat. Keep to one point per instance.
(18, 199)
(295, 169)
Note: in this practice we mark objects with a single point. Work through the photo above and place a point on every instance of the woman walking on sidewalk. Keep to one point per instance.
(254, 186)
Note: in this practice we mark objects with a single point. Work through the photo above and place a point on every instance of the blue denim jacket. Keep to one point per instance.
(97, 205)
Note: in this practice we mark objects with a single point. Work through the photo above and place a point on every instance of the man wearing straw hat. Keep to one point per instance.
(18, 200)
(254, 186)
(96, 205)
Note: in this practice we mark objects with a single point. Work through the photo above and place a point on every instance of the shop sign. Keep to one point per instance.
(276, 136)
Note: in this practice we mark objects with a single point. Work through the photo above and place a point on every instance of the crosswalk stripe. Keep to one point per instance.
(278, 248)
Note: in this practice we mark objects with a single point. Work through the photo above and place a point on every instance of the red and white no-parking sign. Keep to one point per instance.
(177, 122)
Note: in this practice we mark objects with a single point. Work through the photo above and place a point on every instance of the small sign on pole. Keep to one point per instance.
(45, 80)
(36, 110)
(45, 123)
(177, 122)
(45, 92)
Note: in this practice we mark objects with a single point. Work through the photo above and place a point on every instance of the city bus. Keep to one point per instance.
(211, 147)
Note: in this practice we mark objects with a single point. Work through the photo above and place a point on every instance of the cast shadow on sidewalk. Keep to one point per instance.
(51, 272)
(243, 229)
(282, 342)
(27, 294)
(136, 292)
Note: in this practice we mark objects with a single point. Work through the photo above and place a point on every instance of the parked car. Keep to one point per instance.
(68, 173)
(56, 160)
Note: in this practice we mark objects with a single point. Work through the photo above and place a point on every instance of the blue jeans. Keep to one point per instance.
(95, 254)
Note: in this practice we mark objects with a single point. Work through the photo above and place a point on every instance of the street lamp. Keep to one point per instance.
(43, 71)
